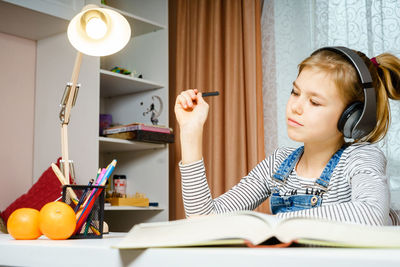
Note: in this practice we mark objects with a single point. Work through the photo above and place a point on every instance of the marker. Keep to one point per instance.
(205, 94)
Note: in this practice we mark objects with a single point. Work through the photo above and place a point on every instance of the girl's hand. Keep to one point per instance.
(191, 110)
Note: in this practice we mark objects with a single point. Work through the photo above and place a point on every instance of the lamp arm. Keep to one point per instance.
(73, 83)
(66, 104)
(64, 151)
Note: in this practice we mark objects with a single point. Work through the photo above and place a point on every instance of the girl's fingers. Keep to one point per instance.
(200, 98)
(180, 100)
(187, 98)
(192, 93)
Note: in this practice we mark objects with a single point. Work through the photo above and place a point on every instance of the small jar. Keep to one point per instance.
(120, 184)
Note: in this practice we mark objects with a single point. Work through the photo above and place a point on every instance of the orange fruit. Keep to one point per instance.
(24, 224)
(57, 220)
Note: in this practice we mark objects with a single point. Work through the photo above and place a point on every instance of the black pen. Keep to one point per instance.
(209, 94)
(83, 195)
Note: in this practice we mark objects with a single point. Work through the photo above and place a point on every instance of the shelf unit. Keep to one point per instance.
(139, 24)
(132, 208)
(115, 84)
(127, 98)
(102, 91)
(108, 145)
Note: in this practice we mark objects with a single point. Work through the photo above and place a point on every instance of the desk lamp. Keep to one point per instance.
(95, 32)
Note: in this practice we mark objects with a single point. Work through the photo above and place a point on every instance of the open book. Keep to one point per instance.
(253, 228)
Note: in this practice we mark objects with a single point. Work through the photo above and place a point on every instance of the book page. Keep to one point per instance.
(271, 220)
(230, 228)
(318, 232)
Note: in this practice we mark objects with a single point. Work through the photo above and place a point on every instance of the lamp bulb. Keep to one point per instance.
(96, 28)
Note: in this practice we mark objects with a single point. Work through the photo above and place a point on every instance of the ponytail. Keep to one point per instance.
(385, 72)
(389, 74)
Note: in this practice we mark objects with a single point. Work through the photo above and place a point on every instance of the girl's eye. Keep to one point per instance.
(314, 103)
(294, 93)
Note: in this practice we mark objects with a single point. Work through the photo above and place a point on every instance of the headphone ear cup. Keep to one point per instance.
(349, 118)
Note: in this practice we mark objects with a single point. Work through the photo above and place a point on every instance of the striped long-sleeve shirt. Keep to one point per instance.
(358, 191)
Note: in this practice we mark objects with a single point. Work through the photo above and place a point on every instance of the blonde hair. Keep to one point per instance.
(385, 79)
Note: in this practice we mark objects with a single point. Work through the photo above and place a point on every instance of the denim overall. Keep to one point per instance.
(300, 202)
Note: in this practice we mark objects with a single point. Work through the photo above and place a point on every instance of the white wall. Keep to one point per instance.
(55, 60)
(17, 89)
(33, 75)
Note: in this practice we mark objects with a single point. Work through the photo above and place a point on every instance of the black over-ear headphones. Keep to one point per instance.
(358, 119)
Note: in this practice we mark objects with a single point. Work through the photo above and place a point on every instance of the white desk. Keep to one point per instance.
(97, 252)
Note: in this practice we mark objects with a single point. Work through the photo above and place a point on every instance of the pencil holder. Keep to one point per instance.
(88, 204)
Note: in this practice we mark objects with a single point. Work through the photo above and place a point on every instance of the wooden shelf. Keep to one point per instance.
(131, 208)
(138, 24)
(114, 84)
(107, 144)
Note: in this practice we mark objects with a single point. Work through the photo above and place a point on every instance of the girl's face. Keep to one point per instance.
(314, 108)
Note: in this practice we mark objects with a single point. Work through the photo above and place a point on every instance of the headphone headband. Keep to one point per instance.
(366, 122)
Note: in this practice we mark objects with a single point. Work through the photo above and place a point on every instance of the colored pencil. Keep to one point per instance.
(102, 182)
(92, 198)
(83, 195)
(99, 177)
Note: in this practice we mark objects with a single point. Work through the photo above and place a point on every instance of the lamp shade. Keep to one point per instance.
(98, 31)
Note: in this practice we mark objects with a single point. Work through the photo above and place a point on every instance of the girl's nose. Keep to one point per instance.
(297, 106)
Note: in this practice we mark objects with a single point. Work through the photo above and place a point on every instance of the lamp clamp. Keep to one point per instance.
(64, 100)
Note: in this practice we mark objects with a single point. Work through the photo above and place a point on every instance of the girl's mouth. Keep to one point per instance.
(294, 123)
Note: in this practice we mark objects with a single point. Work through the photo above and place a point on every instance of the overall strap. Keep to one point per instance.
(325, 177)
(287, 165)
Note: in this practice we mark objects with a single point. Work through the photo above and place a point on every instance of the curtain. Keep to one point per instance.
(216, 45)
(299, 27)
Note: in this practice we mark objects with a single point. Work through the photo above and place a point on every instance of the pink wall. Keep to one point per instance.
(17, 94)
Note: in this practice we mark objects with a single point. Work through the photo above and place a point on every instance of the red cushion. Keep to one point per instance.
(48, 188)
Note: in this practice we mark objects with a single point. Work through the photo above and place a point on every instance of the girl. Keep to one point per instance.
(329, 177)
